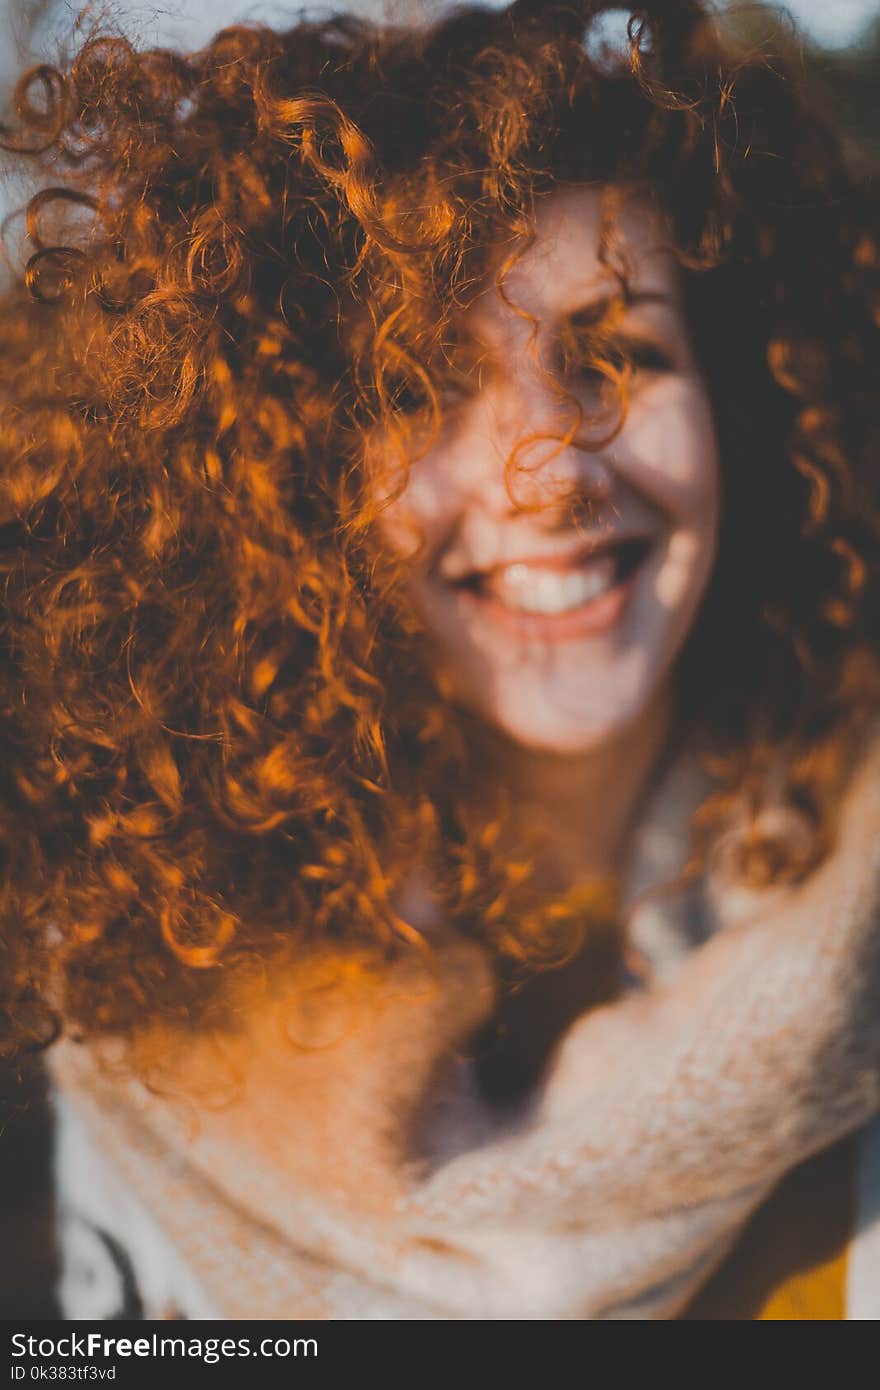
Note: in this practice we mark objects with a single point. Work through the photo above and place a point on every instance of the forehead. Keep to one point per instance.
(585, 240)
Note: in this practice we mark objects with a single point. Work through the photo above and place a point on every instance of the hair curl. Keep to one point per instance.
(221, 733)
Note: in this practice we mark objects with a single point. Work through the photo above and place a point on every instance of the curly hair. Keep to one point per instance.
(222, 737)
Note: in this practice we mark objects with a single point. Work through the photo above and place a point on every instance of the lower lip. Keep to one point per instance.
(594, 619)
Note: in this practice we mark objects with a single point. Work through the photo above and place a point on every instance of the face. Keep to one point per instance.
(559, 575)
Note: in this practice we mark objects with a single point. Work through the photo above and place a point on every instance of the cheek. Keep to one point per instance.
(424, 509)
(398, 522)
(668, 451)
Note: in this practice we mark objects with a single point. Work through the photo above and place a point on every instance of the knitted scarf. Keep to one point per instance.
(333, 1158)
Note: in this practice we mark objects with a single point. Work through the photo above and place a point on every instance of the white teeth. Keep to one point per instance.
(535, 590)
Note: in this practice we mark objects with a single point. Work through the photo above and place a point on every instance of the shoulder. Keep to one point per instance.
(115, 1259)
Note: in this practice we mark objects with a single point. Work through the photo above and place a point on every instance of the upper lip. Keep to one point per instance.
(455, 570)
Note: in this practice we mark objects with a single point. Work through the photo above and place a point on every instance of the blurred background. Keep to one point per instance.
(841, 55)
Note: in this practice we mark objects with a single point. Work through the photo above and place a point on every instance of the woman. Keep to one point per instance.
(438, 479)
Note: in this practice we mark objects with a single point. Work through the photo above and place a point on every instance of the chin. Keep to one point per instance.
(562, 733)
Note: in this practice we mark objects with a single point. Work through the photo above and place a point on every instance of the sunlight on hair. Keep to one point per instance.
(217, 706)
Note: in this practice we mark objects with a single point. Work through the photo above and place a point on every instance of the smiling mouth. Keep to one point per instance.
(593, 588)
(553, 600)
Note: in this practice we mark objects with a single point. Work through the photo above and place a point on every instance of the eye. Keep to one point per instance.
(410, 397)
(649, 357)
(640, 355)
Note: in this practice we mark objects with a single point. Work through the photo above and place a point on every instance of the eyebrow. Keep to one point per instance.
(591, 313)
(587, 315)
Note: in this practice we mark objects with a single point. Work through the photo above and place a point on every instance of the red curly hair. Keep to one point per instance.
(222, 735)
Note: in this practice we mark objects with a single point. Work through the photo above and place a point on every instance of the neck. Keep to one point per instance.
(581, 805)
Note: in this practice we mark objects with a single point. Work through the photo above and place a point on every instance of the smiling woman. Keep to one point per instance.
(440, 563)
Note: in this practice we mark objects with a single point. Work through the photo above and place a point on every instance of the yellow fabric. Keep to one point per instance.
(815, 1295)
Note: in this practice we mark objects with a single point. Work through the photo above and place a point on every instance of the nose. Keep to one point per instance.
(550, 453)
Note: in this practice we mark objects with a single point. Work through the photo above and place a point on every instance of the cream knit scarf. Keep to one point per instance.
(271, 1174)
